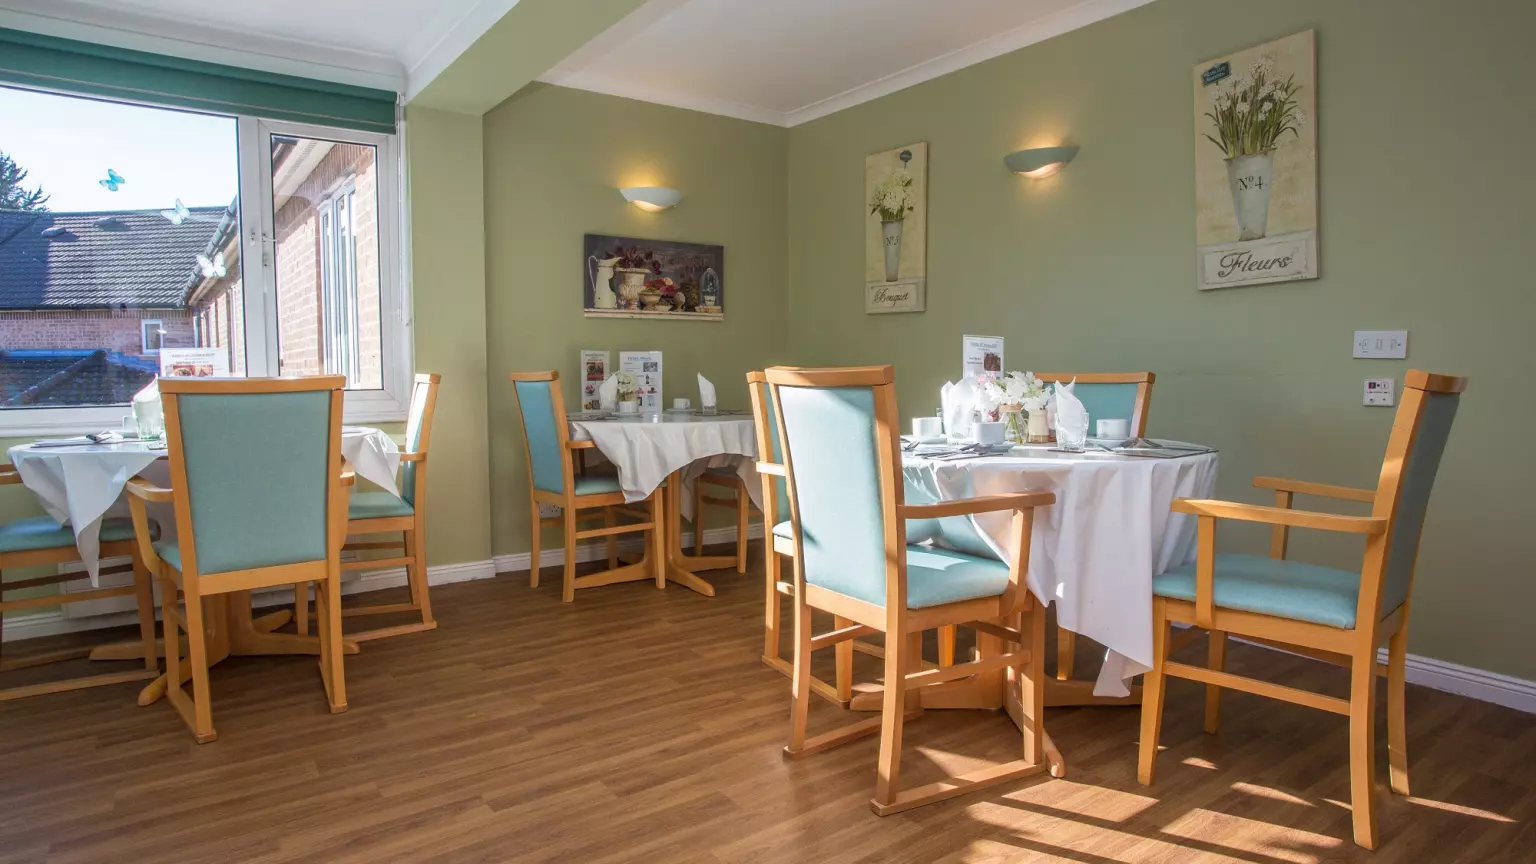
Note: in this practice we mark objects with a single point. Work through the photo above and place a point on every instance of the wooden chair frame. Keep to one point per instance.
(140, 589)
(650, 566)
(411, 547)
(739, 502)
(1355, 649)
(1001, 616)
(1066, 640)
(208, 629)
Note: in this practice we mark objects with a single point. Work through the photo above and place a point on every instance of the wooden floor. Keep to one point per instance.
(639, 725)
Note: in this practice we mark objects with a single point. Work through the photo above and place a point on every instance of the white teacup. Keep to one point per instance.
(991, 433)
(927, 427)
(681, 404)
(1114, 428)
(630, 407)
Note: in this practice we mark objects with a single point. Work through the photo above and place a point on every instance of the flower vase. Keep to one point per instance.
(632, 284)
(1039, 432)
(1013, 416)
(1249, 177)
(891, 232)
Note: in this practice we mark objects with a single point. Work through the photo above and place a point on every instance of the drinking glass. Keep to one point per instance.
(1071, 436)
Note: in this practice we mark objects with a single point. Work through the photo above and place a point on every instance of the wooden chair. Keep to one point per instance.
(1334, 615)
(1106, 395)
(843, 468)
(258, 492)
(548, 449)
(779, 540)
(383, 513)
(40, 541)
(729, 482)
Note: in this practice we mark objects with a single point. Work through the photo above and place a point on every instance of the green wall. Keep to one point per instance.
(1425, 132)
(554, 160)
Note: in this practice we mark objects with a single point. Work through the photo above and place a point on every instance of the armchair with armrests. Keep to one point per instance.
(842, 466)
(1330, 614)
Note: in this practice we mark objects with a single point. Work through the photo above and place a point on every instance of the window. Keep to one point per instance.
(151, 335)
(275, 240)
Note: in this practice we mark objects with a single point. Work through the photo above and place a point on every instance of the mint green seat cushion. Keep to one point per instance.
(784, 530)
(41, 532)
(377, 505)
(1270, 586)
(169, 552)
(939, 576)
(596, 484)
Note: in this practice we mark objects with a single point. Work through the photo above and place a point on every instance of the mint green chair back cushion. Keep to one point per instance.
(413, 424)
(538, 410)
(830, 436)
(1108, 402)
(1419, 469)
(256, 477)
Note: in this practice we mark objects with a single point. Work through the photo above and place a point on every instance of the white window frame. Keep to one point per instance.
(339, 301)
(387, 405)
(144, 335)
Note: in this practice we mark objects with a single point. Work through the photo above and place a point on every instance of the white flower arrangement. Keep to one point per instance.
(1250, 112)
(892, 197)
(628, 385)
(1019, 389)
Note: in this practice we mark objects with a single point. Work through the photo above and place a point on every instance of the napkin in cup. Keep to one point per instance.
(1071, 416)
(148, 412)
(958, 403)
(706, 393)
(608, 393)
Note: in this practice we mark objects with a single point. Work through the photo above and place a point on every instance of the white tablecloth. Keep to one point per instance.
(649, 448)
(1094, 552)
(80, 484)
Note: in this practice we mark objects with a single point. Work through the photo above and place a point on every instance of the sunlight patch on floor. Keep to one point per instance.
(1253, 836)
(1197, 762)
(1461, 809)
(1271, 794)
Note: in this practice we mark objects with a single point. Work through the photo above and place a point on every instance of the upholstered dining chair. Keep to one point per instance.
(548, 449)
(40, 541)
(1107, 396)
(1335, 615)
(842, 466)
(260, 501)
(727, 482)
(382, 513)
(778, 541)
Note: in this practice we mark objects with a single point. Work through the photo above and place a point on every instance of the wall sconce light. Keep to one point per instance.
(1040, 161)
(652, 199)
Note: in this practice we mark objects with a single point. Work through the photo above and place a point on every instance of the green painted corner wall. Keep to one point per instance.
(554, 160)
(1424, 133)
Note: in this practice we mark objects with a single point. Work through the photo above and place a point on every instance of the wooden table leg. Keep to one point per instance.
(680, 568)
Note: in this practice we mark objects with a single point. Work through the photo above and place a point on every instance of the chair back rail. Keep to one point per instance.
(1110, 395)
(418, 436)
(765, 423)
(257, 463)
(545, 432)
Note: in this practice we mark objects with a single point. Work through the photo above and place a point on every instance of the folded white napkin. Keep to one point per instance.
(608, 393)
(958, 403)
(1070, 413)
(706, 393)
(148, 412)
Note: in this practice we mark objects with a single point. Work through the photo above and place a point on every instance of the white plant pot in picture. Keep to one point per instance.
(1249, 177)
(891, 231)
(633, 282)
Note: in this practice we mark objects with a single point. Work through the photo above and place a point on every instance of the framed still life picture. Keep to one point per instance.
(896, 230)
(626, 277)
(1256, 165)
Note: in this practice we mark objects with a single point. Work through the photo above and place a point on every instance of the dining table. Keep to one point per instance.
(1093, 553)
(80, 482)
(668, 451)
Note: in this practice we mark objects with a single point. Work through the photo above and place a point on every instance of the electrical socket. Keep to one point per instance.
(1380, 391)
(1381, 344)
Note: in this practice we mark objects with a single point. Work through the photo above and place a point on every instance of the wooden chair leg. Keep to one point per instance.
(1066, 652)
(197, 657)
(143, 584)
(657, 537)
(1362, 746)
(568, 586)
(330, 645)
(613, 539)
(800, 704)
(892, 719)
(1153, 685)
(947, 645)
(534, 560)
(1397, 720)
(416, 572)
(698, 518)
(771, 612)
(844, 652)
(1215, 658)
(301, 608)
(1031, 677)
(743, 509)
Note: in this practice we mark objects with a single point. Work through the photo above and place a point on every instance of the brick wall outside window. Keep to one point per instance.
(116, 331)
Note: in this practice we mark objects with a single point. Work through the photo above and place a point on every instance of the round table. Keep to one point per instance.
(674, 447)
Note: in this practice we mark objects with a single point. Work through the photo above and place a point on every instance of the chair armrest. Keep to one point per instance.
(983, 504)
(348, 478)
(413, 457)
(138, 487)
(773, 468)
(1281, 516)
(580, 445)
(8, 475)
(1324, 490)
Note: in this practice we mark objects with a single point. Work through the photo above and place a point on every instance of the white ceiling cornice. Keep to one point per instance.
(449, 34)
(205, 42)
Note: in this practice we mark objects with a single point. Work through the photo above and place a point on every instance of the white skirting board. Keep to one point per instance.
(1505, 690)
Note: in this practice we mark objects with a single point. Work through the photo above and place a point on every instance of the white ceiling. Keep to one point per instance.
(789, 61)
(775, 61)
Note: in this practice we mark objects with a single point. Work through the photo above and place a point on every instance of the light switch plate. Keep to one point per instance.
(1381, 344)
(1380, 391)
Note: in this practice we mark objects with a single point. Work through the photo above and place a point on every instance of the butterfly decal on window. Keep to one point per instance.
(212, 268)
(177, 215)
(113, 180)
